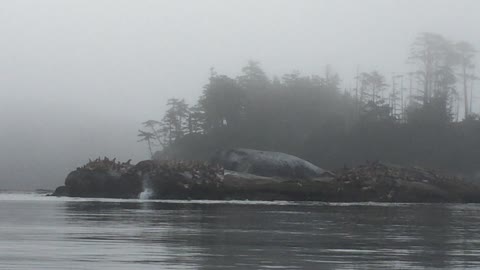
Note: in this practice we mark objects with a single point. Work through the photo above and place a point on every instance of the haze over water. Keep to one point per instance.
(77, 78)
(40, 232)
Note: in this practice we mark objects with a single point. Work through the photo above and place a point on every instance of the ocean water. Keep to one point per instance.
(38, 232)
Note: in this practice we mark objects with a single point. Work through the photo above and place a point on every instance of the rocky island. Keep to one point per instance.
(245, 174)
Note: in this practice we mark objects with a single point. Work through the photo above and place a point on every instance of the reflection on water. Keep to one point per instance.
(122, 234)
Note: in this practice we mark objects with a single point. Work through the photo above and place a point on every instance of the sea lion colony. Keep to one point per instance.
(106, 164)
(198, 171)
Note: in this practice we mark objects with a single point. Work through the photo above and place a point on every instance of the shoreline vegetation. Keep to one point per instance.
(423, 117)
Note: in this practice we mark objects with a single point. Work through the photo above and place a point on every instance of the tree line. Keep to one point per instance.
(411, 118)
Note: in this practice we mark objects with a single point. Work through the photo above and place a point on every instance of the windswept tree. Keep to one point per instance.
(155, 127)
(147, 137)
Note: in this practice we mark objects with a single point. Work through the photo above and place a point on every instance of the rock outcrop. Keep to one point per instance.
(102, 178)
(377, 182)
(166, 179)
(392, 183)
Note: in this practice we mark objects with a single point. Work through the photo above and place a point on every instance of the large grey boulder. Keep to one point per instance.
(266, 163)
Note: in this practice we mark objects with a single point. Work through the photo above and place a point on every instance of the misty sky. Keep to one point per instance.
(78, 77)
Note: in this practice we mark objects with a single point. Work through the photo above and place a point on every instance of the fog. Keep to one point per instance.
(77, 78)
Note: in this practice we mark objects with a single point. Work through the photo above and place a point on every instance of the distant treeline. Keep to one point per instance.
(413, 119)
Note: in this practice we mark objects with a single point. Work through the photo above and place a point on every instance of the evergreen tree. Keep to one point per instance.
(466, 53)
(223, 102)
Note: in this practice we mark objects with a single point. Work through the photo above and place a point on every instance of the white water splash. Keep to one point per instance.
(147, 192)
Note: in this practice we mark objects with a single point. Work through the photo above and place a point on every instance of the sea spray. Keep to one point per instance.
(147, 192)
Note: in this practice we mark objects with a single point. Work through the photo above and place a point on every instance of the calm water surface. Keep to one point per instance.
(38, 232)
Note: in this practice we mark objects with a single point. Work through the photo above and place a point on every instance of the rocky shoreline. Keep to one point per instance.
(372, 182)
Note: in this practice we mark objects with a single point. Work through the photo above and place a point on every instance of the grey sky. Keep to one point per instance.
(78, 77)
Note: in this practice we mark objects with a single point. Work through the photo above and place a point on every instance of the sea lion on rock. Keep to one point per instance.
(265, 163)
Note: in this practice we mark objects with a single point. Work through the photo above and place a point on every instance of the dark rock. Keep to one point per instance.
(98, 183)
(60, 191)
(102, 178)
